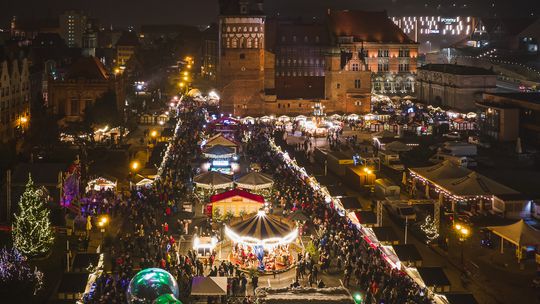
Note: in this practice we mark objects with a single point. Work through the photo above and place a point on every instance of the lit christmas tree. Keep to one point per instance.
(32, 233)
(429, 229)
(16, 274)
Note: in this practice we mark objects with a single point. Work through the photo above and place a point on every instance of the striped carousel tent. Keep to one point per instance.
(255, 181)
(262, 229)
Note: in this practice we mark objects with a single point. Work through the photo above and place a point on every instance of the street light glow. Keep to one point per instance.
(135, 165)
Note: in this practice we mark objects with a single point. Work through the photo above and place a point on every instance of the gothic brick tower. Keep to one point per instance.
(241, 57)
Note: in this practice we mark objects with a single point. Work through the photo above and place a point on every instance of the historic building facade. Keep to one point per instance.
(85, 81)
(246, 73)
(283, 67)
(14, 98)
(454, 86)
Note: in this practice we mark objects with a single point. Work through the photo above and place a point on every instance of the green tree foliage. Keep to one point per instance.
(32, 232)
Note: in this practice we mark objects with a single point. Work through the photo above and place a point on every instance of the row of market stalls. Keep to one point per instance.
(215, 180)
(405, 258)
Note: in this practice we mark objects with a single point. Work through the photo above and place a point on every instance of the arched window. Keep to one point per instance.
(228, 28)
(235, 43)
(228, 43)
(234, 29)
(256, 43)
(249, 43)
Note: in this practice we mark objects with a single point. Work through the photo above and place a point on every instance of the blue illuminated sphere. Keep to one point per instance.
(152, 285)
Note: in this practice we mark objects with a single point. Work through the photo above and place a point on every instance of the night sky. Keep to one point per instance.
(201, 12)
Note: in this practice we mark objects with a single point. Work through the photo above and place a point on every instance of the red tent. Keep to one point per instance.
(236, 192)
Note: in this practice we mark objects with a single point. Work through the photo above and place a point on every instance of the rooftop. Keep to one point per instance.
(521, 96)
(89, 68)
(456, 69)
(366, 26)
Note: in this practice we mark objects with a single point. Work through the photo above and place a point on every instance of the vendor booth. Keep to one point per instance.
(213, 180)
(220, 140)
(101, 184)
(235, 202)
(220, 158)
(262, 242)
(520, 234)
(254, 181)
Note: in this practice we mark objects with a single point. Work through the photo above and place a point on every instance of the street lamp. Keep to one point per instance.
(463, 233)
(103, 220)
(135, 165)
(153, 133)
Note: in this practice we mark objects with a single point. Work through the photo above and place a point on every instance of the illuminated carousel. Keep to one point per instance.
(262, 242)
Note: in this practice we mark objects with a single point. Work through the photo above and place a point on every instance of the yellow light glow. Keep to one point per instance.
(104, 219)
(189, 66)
(24, 120)
(135, 165)
(458, 227)
(464, 231)
(153, 133)
(181, 84)
(186, 78)
(186, 73)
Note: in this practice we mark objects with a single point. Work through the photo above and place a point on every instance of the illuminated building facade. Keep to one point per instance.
(14, 98)
(436, 32)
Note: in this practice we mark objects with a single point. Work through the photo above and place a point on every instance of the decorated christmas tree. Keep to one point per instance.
(15, 273)
(430, 229)
(32, 234)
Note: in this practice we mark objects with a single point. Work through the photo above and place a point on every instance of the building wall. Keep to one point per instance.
(14, 98)
(453, 91)
(123, 54)
(242, 62)
(72, 27)
(70, 98)
(347, 89)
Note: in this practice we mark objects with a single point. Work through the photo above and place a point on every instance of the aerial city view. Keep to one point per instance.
(270, 151)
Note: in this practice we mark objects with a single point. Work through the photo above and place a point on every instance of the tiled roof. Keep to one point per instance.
(366, 26)
(88, 67)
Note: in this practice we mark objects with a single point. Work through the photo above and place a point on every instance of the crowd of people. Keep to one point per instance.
(146, 237)
(338, 242)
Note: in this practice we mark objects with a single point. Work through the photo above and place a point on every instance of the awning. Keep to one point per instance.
(209, 286)
(213, 180)
(255, 181)
(519, 233)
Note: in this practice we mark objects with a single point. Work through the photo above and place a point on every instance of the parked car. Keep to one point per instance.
(452, 135)
(403, 212)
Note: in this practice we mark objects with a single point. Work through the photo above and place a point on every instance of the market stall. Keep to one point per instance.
(520, 234)
(235, 202)
(101, 184)
(254, 181)
(213, 180)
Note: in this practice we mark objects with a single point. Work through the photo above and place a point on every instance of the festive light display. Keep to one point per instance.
(32, 233)
(15, 273)
(430, 229)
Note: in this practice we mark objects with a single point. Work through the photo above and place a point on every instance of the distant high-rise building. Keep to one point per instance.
(72, 27)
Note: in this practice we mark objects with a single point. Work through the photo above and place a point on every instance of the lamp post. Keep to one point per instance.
(463, 233)
(103, 221)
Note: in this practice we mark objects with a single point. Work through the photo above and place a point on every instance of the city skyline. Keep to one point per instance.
(180, 12)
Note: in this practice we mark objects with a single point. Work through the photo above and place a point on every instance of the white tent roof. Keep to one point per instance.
(254, 181)
(212, 180)
(441, 171)
(518, 233)
(476, 184)
(209, 286)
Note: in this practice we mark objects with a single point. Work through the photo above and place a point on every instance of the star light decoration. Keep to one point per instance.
(430, 229)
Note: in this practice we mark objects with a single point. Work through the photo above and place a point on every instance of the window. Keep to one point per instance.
(338, 85)
(234, 43)
(282, 38)
(305, 39)
(279, 106)
(249, 45)
(403, 67)
(288, 105)
(357, 84)
(404, 53)
(294, 38)
(355, 67)
(358, 103)
(382, 53)
(382, 67)
(242, 56)
(317, 39)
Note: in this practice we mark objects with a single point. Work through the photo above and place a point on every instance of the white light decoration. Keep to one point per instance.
(266, 243)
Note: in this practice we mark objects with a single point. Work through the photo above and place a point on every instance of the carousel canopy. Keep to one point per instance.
(519, 233)
(397, 146)
(213, 180)
(236, 192)
(254, 181)
(262, 227)
(219, 151)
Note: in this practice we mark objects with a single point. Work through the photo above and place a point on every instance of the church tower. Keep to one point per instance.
(241, 56)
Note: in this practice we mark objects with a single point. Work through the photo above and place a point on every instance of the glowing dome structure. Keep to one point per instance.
(153, 285)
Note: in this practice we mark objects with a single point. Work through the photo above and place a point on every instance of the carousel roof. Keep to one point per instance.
(219, 150)
(213, 179)
(254, 180)
(236, 192)
(262, 227)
